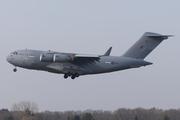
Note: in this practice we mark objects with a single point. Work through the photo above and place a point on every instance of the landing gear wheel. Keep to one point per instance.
(14, 69)
(72, 77)
(65, 76)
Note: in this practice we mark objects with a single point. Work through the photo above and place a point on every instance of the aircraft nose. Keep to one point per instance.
(7, 58)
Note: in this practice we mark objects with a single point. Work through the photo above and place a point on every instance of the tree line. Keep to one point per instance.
(29, 111)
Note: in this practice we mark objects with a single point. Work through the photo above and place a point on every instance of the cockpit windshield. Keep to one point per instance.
(15, 53)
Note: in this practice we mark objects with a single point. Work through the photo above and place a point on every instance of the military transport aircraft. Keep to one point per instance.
(73, 65)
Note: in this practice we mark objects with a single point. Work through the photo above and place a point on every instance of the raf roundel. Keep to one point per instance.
(140, 47)
(112, 63)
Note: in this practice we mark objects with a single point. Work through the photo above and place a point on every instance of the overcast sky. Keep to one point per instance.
(91, 27)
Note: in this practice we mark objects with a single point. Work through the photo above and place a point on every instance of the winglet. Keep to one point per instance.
(108, 52)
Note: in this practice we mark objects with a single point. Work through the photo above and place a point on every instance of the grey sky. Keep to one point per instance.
(90, 27)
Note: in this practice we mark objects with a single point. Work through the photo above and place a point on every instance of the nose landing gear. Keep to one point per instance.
(15, 69)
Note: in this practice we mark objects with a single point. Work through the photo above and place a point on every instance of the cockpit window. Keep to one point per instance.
(15, 53)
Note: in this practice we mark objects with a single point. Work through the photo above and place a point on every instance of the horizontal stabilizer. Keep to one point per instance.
(159, 36)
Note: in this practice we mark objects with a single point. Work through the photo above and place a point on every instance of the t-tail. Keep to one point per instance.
(145, 45)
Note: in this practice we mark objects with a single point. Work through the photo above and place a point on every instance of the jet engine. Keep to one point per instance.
(62, 58)
(46, 57)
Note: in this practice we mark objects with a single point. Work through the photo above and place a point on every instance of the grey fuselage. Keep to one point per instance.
(30, 59)
(71, 64)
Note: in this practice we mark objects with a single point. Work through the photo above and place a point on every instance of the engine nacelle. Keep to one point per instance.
(46, 57)
(62, 58)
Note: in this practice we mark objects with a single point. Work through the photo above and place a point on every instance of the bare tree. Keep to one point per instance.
(24, 110)
(28, 111)
(29, 118)
(25, 106)
(123, 114)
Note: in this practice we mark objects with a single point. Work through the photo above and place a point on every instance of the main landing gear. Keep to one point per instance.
(73, 76)
(15, 69)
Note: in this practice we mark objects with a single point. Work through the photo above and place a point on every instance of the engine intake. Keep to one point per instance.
(46, 57)
(62, 58)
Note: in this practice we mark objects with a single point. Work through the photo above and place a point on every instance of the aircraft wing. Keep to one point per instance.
(80, 59)
(86, 56)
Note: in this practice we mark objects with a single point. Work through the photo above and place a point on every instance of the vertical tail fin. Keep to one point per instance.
(147, 43)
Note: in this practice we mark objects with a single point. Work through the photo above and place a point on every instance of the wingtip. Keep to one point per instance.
(108, 52)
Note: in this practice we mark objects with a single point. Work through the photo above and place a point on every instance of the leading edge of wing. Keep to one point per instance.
(86, 56)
